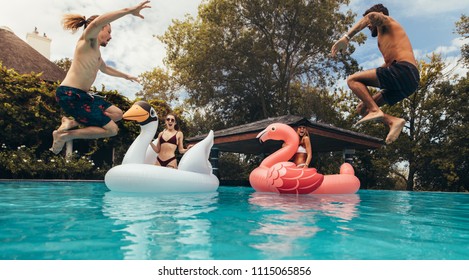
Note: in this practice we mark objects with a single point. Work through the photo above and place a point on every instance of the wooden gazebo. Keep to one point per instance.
(324, 137)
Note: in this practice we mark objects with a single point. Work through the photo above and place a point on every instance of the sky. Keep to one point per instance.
(430, 25)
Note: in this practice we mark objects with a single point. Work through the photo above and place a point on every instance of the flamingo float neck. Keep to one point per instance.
(286, 152)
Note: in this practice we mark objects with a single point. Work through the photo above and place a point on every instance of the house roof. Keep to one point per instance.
(19, 55)
(324, 137)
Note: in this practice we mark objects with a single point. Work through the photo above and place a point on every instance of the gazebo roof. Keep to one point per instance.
(324, 137)
(17, 54)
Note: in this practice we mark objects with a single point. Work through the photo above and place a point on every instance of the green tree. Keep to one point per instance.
(27, 109)
(200, 121)
(245, 60)
(157, 84)
(445, 150)
(462, 28)
(64, 63)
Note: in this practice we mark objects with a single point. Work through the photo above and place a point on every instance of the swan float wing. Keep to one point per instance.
(196, 159)
(150, 156)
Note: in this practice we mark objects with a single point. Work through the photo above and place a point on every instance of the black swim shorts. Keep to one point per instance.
(398, 81)
(85, 108)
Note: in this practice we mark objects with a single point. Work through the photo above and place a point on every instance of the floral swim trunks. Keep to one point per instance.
(84, 107)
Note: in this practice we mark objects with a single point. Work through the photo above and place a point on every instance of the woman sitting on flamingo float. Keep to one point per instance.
(277, 174)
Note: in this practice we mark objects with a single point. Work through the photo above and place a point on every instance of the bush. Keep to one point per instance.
(23, 164)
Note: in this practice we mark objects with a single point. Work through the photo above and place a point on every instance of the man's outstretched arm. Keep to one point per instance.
(372, 19)
(116, 73)
(96, 25)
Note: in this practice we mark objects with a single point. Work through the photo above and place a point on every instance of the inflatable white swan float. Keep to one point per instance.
(139, 174)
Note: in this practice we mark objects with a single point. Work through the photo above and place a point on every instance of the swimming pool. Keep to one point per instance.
(85, 221)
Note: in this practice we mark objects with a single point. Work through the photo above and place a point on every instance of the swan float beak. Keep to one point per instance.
(140, 112)
(136, 113)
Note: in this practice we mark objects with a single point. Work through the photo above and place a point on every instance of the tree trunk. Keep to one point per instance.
(410, 179)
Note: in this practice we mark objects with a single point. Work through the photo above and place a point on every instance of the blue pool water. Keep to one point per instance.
(77, 220)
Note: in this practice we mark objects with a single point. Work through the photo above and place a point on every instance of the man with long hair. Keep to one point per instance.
(398, 78)
(98, 116)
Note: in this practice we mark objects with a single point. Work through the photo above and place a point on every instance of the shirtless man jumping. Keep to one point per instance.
(98, 116)
(398, 77)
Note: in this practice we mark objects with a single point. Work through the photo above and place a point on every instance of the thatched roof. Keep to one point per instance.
(324, 137)
(17, 54)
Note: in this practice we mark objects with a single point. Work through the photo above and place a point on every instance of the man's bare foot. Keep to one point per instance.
(59, 142)
(395, 130)
(361, 109)
(372, 116)
(67, 124)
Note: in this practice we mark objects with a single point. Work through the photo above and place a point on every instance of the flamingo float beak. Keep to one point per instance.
(261, 135)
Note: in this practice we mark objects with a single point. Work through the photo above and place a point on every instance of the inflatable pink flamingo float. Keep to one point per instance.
(277, 174)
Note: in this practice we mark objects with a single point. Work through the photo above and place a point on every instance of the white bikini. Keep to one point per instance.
(301, 150)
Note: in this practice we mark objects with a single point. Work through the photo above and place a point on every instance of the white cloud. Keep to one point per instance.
(451, 56)
(374, 63)
(430, 8)
(415, 8)
(455, 46)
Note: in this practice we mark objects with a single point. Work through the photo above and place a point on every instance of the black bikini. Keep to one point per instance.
(173, 140)
(165, 163)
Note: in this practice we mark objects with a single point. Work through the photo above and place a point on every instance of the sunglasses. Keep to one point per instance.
(170, 120)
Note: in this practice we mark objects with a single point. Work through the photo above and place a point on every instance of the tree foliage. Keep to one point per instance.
(245, 60)
(157, 84)
(25, 102)
(445, 149)
(462, 28)
(64, 63)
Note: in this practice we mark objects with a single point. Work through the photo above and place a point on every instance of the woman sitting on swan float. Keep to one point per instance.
(138, 172)
(169, 140)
